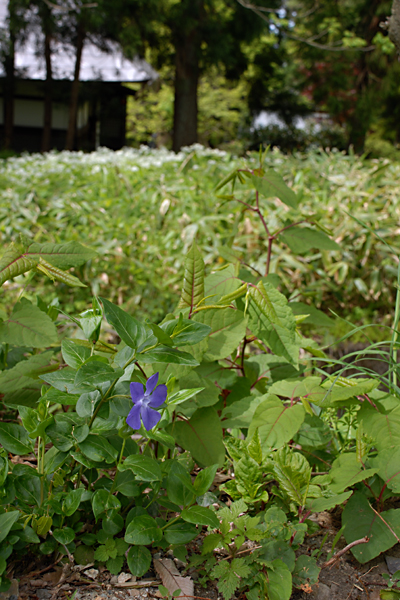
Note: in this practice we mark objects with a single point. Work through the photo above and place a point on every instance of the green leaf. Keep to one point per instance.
(97, 448)
(360, 520)
(24, 372)
(163, 354)
(64, 536)
(179, 485)
(305, 571)
(62, 256)
(384, 429)
(102, 501)
(143, 530)
(223, 282)
(202, 436)
(74, 354)
(276, 423)
(28, 326)
(211, 541)
(180, 533)
(272, 320)
(293, 474)
(228, 327)
(200, 515)
(317, 505)
(139, 560)
(94, 373)
(126, 484)
(15, 262)
(114, 565)
(271, 185)
(15, 439)
(279, 581)
(204, 480)
(63, 380)
(302, 239)
(101, 554)
(144, 467)
(193, 282)
(229, 575)
(87, 403)
(72, 501)
(56, 274)
(341, 389)
(346, 471)
(189, 332)
(131, 331)
(388, 462)
(7, 520)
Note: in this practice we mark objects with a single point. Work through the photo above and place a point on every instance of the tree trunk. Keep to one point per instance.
(394, 25)
(186, 83)
(9, 65)
(48, 96)
(73, 105)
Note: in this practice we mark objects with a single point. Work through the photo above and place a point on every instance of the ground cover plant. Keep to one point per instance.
(141, 210)
(117, 425)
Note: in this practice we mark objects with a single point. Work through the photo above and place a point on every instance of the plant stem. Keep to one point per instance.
(118, 463)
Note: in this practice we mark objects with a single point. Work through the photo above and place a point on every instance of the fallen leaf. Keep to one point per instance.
(172, 579)
(92, 573)
(123, 577)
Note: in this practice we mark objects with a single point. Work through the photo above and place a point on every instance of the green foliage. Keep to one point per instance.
(239, 389)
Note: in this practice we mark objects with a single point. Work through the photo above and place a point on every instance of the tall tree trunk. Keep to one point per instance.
(73, 105)
(186, 84)
(48, 96)
(394, 25)
(9, 65)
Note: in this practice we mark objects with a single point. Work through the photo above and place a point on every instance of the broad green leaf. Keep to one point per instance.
(63, 380)
(273, 549)
(7, 520)
(360, 520)
(72, 501)
(317, 505)
(308, 387)
(64, 536)
(347, 471)
(271, 185)
(302, 239)
(193, 282)
(15, 262)
(24, 372)
(200, 515)
(279, 581)
(204, 480)
(241, 413)
(202, 436)
(342, 389)
(163, 354)
(28, 326)
(179, 485)
(15, 439)
(228, 327)
(221, 283)
(189, 332)
(139, 560)
(305, 571)
(388, 464)
(87, 403)
(74, 354)
(143, 530)
(276, 423)
(129, 329)
(94, 373)
(27, 396)
(126, 484)
(272, 320)
(293, 474)
(103, 501)
(61, 256)
(315, 316)
(384, 429)
(144, 467)
(97, 448)
(180, 533)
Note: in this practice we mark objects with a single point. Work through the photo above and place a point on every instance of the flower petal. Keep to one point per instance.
(137, 392)
(133, 419)
(151, 383)
(159, 396)
(150, 417)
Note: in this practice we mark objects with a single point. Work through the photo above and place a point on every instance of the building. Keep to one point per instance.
(101, 119)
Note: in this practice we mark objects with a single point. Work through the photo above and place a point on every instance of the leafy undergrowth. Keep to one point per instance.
(142, 209)
(214, 438)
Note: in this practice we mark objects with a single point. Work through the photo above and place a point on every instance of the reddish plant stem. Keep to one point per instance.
(335, 558)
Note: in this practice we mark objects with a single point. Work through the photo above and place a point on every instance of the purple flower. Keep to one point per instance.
(145, 402)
